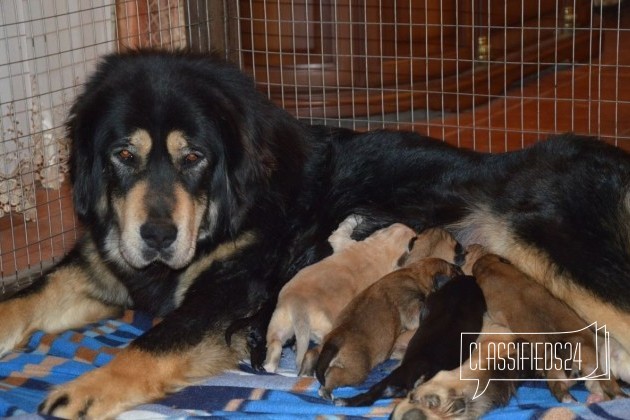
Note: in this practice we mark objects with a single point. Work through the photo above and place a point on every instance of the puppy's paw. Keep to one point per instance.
(325, 393)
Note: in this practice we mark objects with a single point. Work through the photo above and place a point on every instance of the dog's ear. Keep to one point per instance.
(505, 260)
(411, 243)
(440, 280)
(403, 258)
(86, 167)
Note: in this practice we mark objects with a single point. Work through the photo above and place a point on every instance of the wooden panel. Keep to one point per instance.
(347, 58)
(405, 40)
(296, 45)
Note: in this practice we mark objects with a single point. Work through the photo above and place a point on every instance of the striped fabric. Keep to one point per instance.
(48, 360)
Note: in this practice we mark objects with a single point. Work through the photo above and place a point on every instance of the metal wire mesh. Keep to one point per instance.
(476, 73)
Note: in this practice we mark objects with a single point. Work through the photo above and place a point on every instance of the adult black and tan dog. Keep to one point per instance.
(200, 198)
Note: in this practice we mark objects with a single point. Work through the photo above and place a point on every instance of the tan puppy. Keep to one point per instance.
(309, 303)
(367, 328)
(524, 305)
(517, 305)
(433, 242)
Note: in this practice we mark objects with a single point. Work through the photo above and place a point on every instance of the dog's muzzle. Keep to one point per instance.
(158, 237)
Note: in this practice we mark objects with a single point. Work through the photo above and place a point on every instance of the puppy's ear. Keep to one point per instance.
(411, 243)
(505, 261)
(403, 258)
(440, 280)
(424, 312)
(460, 254)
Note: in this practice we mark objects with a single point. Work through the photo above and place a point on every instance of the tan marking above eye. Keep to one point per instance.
(141, 142)
(176, 143)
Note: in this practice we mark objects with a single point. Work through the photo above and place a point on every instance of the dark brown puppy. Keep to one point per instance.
(455, 308)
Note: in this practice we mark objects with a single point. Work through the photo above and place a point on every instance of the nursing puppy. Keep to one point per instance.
(367, 328)
(457, 307)
(309, 303)
(525, 306)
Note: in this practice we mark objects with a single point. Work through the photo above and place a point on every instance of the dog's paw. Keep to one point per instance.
(443, 396)
(87, 398)
(257, 345)
(132, 378)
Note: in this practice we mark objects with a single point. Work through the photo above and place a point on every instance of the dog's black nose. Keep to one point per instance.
(158, 235)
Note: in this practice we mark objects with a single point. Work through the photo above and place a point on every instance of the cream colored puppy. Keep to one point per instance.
(309, 303)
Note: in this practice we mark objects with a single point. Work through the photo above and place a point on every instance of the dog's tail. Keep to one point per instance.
(328, 353)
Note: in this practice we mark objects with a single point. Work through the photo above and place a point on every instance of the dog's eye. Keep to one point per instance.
(125, 155)
(191, 159)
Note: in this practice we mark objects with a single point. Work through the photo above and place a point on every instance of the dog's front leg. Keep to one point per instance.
(186, 346)
(63, 299)
(138, 375)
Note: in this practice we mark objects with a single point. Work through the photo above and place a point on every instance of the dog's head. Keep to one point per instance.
(171, 149)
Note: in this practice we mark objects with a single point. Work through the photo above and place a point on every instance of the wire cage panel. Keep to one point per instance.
(476, 73)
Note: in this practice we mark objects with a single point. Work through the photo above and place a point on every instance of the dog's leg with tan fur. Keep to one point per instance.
(186, 346)
(137, 376)
(63, 299)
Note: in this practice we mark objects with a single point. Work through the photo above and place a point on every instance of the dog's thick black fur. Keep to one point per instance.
(200, 199)
(457, 307)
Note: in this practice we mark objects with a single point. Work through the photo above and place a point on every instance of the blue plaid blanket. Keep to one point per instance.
(48, 360)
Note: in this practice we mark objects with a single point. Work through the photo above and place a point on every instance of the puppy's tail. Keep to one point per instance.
(329, 352)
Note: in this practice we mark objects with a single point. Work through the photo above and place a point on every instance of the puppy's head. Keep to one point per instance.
(434, 242)
(471, 255)
(433, 273)
(390, 242)
(171, 149)
(492, 265)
